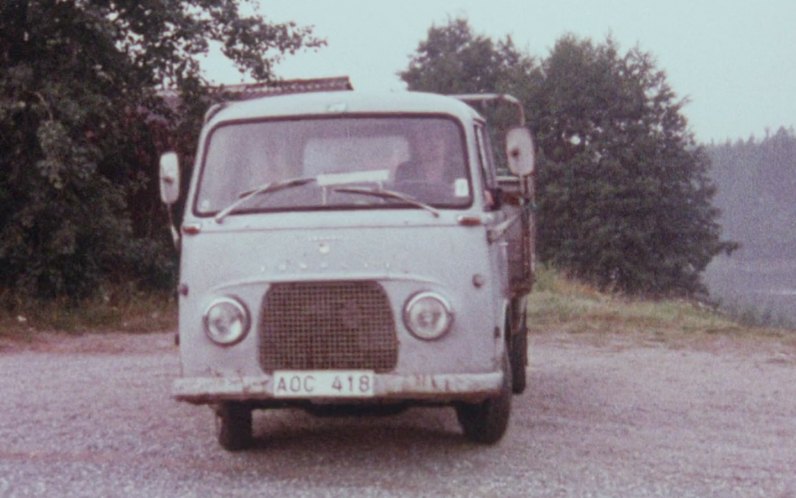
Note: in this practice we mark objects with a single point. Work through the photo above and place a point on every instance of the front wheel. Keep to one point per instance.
(486, 422)
(234, 426)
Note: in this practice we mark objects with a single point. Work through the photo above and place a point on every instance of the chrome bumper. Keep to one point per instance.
(437, 388)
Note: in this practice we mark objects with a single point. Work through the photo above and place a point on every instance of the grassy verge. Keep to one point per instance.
(559, 304)
(120, 311)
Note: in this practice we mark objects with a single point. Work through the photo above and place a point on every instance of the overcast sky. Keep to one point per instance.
(735, 60)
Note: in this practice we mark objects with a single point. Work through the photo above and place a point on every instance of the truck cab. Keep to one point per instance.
(343, 252)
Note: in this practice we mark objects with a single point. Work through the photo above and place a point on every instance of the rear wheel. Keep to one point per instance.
(234, 426)
(486, 422)
(519, 360)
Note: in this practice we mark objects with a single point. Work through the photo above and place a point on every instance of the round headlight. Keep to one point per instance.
(226, 321)
(428, 315)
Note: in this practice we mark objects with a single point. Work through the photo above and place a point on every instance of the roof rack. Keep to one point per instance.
(246, 91)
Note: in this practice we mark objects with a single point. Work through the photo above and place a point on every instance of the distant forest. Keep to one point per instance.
(756, 182)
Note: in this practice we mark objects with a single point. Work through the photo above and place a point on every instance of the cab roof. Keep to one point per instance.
(340, 104)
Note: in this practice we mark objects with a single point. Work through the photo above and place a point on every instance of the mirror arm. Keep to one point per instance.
(496, 233)
(175, 233)
(497, 198)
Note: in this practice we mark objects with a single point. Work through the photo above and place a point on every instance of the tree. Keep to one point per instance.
(455, 60)
(624, 196)
(78, 90)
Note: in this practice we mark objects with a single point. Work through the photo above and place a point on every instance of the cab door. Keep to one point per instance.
(494, 215)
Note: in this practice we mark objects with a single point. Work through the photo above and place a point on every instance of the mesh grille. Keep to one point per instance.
(327, 325)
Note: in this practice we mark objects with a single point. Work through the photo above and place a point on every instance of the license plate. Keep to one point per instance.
(323, 383)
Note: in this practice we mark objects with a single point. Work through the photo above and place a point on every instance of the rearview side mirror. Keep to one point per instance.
(169, 178)
(519, 151)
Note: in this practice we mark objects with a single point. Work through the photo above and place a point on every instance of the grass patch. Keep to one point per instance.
(118, 311)
(561, 304)
(556, 304)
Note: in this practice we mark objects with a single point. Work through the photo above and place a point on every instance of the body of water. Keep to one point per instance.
(766, 288)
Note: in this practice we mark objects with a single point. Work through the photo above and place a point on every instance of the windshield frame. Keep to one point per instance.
(208, 136)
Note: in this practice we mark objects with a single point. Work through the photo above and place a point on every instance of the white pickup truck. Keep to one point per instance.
(345, 252)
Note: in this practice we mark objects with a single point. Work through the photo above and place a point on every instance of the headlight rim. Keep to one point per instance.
(244, 313)
(417, 296)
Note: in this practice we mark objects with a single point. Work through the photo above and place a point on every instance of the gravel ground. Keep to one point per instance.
(603, 416)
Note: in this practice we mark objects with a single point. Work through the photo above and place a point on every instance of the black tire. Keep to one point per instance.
(519, 360)
(486, 422)
(234, 426)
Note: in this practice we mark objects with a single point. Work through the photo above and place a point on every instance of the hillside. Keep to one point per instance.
(756, 181)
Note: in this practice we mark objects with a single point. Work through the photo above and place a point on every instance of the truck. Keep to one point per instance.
(354, 253)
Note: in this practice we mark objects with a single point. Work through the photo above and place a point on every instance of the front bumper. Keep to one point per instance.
(420, 387)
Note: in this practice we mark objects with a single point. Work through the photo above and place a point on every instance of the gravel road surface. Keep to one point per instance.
(603, 416)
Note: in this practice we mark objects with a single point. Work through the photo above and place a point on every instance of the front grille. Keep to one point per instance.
(327, 325)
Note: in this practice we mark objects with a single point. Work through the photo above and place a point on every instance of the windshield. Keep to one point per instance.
(420, 157)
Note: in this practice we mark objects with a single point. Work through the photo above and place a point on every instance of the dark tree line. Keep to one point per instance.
(623, 188)
(624, 196)
(78, 147)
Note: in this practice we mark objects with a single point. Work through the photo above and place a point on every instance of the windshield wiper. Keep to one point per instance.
(388, 194)
(262, 189)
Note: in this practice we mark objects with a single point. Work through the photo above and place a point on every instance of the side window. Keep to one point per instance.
(485, 157)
